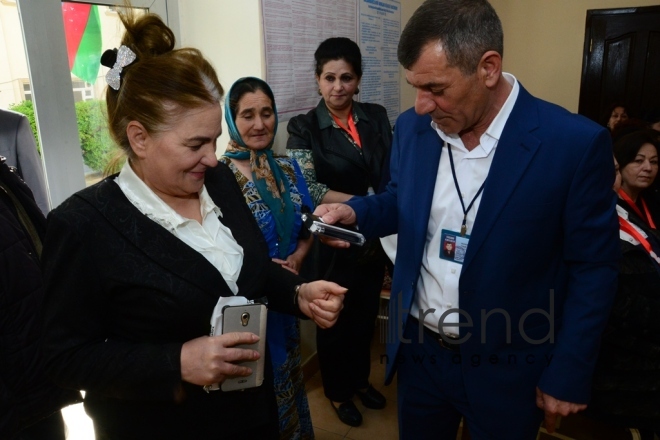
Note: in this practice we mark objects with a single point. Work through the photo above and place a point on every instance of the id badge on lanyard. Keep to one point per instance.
(453, 246)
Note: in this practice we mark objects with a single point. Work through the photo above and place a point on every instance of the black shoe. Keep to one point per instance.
(371, 398)
(348, 413)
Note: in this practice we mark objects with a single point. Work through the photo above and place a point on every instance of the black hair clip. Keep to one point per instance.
(109, 58)
(116, 59)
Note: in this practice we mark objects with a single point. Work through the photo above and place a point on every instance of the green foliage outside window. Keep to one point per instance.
(95, 142)
(25, 107)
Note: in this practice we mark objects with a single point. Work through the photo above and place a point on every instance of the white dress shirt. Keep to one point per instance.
(437, 287)
(212, 239)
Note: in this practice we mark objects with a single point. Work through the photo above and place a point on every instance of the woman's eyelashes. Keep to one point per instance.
(343, 78)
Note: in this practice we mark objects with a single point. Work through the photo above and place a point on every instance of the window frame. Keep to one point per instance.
(24, 93)
(50, 82)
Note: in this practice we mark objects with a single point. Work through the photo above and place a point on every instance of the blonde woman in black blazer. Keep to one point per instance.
(135, 265)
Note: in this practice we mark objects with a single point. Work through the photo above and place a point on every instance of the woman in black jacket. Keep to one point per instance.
(626, 384)
(136, 264)
(29, 402)
(637, 154)
(342, 147)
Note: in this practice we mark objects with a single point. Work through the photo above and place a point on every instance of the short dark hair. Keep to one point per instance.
(338, 48)
(610, 109)
(248, 85)
(627, 147)
(467, 29)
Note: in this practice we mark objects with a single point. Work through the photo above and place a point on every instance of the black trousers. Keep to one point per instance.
(344, 350)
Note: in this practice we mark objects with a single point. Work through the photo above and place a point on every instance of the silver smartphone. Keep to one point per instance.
(317, 226)
(247, 318)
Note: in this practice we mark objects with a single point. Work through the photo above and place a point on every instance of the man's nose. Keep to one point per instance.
(423, 103)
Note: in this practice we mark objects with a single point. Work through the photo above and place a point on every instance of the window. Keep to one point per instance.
(27, 91)
(57, 94)
(82, 91)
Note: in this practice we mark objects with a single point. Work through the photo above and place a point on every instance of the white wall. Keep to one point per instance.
(13, 67)
(228, 33)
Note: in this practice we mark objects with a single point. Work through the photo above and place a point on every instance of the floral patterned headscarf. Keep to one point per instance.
(268, 177)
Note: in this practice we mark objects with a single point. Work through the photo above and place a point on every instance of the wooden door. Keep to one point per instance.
(621, 62)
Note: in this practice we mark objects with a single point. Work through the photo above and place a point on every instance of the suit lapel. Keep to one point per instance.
(427, 161)
(154, 241)
(514, 152)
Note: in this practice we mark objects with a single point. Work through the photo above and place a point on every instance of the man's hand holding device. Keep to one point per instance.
(343, 218)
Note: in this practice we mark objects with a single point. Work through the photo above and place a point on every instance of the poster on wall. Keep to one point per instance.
(293, 30)
(379, 29)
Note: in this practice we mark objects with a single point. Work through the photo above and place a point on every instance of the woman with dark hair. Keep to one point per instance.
(617, 113)
(626, 381)
(342, 147)
(276, 193)
(136, 264)
(637, 155)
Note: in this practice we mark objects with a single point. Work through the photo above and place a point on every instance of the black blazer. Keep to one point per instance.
(26, 393)
(625, 384)
(124, 294)
(337, 163)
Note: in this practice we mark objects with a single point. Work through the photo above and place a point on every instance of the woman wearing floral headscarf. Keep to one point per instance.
(275, 191)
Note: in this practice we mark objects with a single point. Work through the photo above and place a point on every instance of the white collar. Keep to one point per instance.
(152, 206)
(622, 212)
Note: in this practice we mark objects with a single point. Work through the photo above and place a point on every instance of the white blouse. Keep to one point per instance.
(212, 239)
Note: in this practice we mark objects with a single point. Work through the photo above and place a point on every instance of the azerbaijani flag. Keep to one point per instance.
(82, 29)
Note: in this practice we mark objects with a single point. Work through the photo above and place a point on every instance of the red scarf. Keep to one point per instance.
(351, 129)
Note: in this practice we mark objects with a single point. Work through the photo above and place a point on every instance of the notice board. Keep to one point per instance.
(293, 29)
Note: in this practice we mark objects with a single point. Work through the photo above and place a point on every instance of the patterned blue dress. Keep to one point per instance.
(283, 331)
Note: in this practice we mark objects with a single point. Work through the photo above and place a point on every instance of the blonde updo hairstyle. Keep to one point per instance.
(160, 83)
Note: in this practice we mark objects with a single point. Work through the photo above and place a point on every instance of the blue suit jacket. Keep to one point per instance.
(545, 239)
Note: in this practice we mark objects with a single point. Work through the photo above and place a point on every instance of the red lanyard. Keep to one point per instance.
(352, 129)
(629, 229)
(632, 204)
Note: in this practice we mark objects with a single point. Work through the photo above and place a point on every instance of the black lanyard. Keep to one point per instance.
(460, 196)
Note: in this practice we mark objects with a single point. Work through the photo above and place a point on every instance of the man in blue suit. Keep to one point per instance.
(504, 328)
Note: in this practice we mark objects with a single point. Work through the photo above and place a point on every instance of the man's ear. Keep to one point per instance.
(138, 137)
(490, 68)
